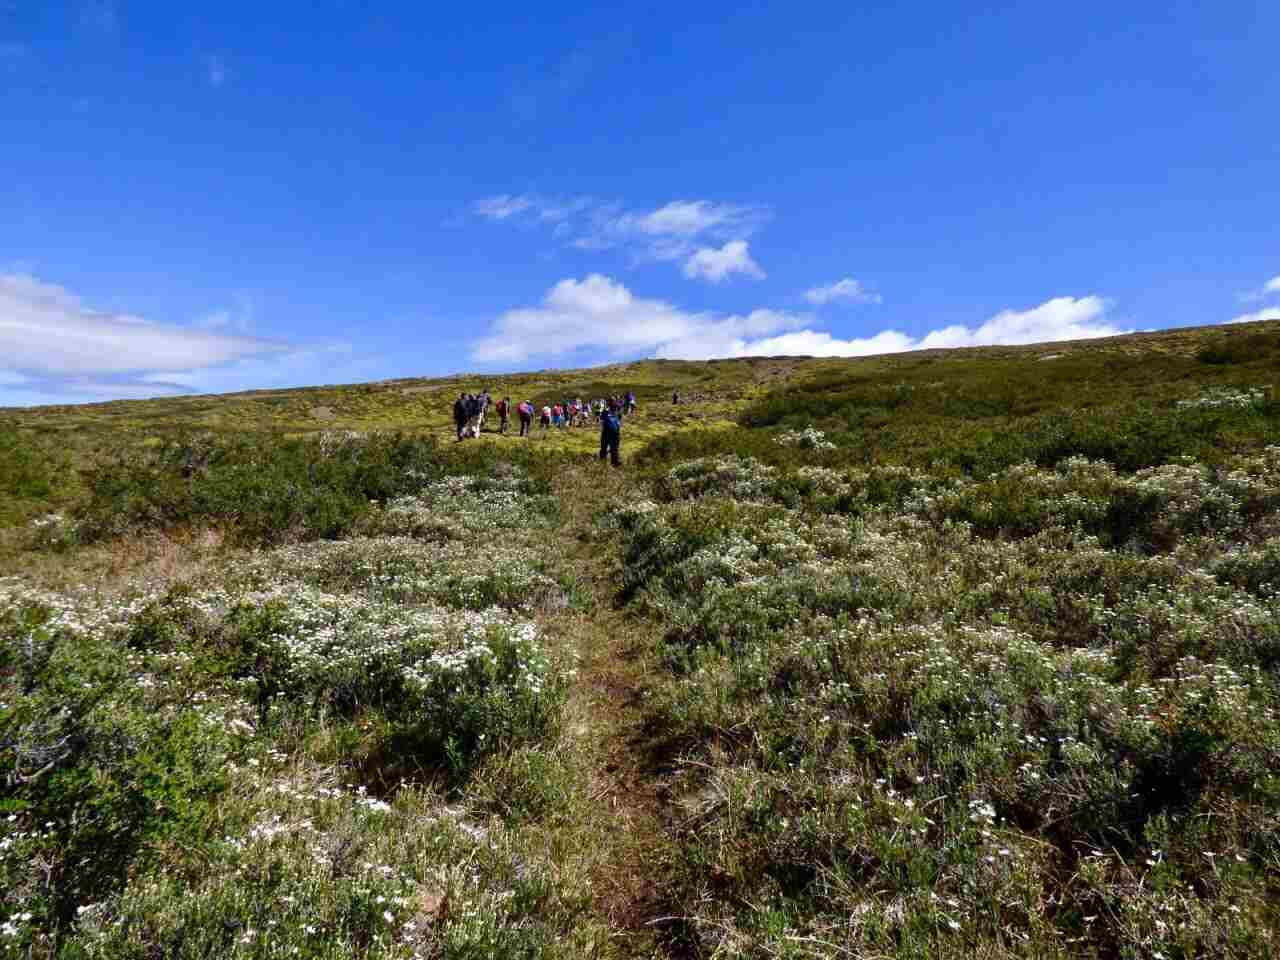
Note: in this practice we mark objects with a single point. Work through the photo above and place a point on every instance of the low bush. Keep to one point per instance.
(268, 489)
(148, 742)
(934, 715)
(979, 414)
(31, 475)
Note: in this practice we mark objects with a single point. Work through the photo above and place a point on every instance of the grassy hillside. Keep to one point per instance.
(953, 654)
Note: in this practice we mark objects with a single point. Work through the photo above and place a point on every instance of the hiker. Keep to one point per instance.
(631, 401)
(545, 421)
(526, 417)
(472, 404)
(675, 397)
(504, 414)
(611, 437)
(460, 413)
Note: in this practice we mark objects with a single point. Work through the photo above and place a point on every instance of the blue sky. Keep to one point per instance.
(199, 197)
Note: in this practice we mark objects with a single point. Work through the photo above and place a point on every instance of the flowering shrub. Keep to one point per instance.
(53, 531)
(740, 477)
(306, 867)
(930, 712)
(461, 507)
(810, 438)
(132, 724)
(450, 679)
(454, 573)
(1223, 397)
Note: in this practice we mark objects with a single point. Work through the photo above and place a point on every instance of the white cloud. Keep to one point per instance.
(846, 289)
(1266, 313)
(45, 329)
(684, 218)
(54, 349)
(714, 265)
(669, 232)
(503, 205)
(819, 343)
(1062, 318)
(600, 313)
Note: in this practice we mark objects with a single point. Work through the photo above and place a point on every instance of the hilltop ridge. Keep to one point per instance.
(720, 387)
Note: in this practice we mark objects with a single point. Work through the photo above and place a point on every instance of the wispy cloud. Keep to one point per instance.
(599, 313)
(1062, 318)
(846, 289)
(54, 348)
(502, 206)
(709, 263)
(674, 231)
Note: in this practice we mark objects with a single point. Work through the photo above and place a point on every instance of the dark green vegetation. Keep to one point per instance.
(295, 750)
(970, 653)
(32, 476)
(991, 667)
(268, 489)
(976, 412)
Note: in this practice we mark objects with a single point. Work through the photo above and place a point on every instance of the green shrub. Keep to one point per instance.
(918, 708)
(31, 475)
(269, 489)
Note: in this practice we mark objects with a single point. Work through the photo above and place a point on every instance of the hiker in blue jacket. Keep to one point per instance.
(611, 436)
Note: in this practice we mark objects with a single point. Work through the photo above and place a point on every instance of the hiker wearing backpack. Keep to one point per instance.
(631, 402)
(504, 414)
(545, 421)
(611, 436)
(526, 417)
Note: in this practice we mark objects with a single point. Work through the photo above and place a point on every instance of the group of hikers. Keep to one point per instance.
(470, 408)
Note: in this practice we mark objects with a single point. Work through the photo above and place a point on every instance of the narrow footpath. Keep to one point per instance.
(625, 823)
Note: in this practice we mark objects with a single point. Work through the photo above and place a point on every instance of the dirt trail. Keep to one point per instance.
(605, 718)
